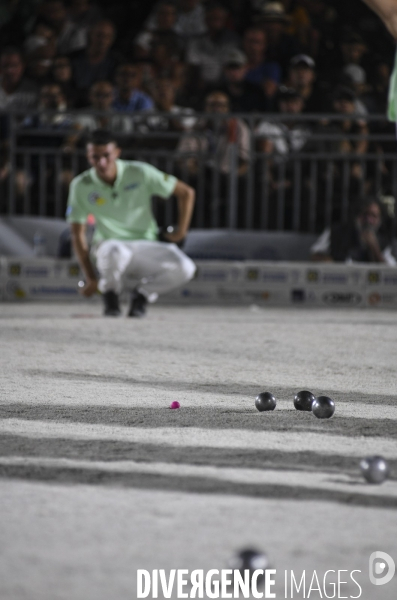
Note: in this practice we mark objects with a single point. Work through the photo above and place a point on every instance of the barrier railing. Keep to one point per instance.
(316, 168)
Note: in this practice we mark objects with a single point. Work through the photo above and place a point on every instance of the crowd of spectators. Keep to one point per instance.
(129, 60)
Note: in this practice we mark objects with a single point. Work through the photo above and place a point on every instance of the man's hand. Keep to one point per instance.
(90, 288)
(172, 236)
(368, 238)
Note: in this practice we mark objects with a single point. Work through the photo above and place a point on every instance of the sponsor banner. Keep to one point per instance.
(41, 268)
(280, 296)
(40, 289)
(218, 272)
(191, 294)
(381, 298)
(331, 276)
(268, 275)
(385, 277)
(341, 297)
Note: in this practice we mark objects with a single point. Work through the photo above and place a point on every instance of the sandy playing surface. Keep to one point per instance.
(99, 478)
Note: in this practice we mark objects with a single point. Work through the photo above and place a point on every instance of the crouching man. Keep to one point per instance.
(118, 193)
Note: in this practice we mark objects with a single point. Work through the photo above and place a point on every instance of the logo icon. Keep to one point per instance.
(381, 568)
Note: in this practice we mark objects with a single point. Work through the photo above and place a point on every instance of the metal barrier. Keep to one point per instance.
(238, 185)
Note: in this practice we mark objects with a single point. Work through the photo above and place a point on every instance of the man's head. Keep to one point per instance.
(54, 13)
(235, 66)
(11, 66)
(62, 69)
(290, 101)
(166, 16)
(187, 5)
(369, 214)
(215, 18)
(101, 36)
(254, 44)
(102, 152)
(101, 95)
(217, 102)
(273, 20)
(128, 78)
(353, 48)
(164, 93)
(302, 71)
(51, 97)
(344, 100)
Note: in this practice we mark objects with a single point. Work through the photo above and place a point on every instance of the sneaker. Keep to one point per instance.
(138, 305)
(111, 302)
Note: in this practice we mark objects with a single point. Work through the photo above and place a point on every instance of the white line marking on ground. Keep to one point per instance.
(324, 481)
(207, 438)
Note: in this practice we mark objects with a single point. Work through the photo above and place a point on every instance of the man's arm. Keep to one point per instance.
(80, 247)
(387, 11)
(186, 197)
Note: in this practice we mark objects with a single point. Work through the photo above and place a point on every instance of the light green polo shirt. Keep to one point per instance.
(122, 211)
(392, 100)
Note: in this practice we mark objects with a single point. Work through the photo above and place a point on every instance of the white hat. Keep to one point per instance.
(356, 73)
(303, 58)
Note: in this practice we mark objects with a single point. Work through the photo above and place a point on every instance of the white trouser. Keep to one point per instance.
(156, 267)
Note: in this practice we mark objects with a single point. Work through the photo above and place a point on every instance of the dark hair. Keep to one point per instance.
(344, 93)
(10, 51)
(102, 137)
(363, 203)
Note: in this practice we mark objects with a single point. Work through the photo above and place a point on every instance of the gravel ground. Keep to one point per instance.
(98, 478)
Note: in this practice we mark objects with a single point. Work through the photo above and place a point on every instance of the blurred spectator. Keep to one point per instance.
(205, 53)
(302, 77)
(62, 75)
(244, 96)
(47, 129)
(213, 137)
(364, 238)
(285, 136)
(173, 118)
(259, 70)
(161, 29)
(16, 91)
(191, 18)
(98, 115)
(69, 36)
(212, 147)
(344, 103)
(84, 13)
(128, 96)
(278, 141)
(180, 118)
(281, 46)
(96, 62)
(164, 62)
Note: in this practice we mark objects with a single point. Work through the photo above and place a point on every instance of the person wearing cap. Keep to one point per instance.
(281, 46)
(244, 96)
(287, 136)
(302, 77)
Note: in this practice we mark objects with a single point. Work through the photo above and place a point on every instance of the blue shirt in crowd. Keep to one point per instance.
(138, 101)
(267, 70)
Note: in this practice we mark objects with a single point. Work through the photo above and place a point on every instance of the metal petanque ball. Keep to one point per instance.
(250, 559)
(374, 469)
(265, 401)
(323, 407)
(304, 400)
